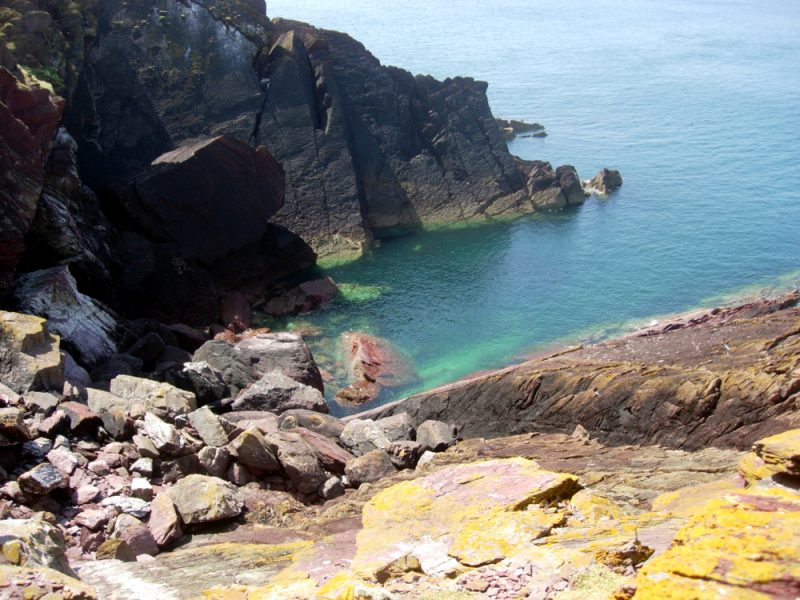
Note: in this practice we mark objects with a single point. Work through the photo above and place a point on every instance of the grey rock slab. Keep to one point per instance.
(208, 427)
(250, 449)
(165, 437)
(363, 435)
(276, 392)
(201, 499)
(161, 398)
(133, 506)
(42, 479)
(436, 435)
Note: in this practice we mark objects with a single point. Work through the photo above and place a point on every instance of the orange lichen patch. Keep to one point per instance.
(745, 545)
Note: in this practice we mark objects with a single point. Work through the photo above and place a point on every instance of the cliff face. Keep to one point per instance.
(368, 147)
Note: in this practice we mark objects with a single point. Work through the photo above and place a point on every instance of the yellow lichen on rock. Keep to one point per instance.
(775, 454)
(345, 586)
(34, 583)
(743, 545)
(476, 513)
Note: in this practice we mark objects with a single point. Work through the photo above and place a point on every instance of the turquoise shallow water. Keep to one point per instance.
(697, 103)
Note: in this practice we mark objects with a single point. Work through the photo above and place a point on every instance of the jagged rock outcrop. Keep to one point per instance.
(29, 354)
(727, 377)
(87, 328)
(29, 116)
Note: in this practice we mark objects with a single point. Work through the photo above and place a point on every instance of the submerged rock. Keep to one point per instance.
(373, 365)
(308, 296)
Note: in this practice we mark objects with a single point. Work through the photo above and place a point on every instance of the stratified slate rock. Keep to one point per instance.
(275, 392)
(29, 354)
(243, 364)
(201, 499)
(29, 116)
(86, 327)
(330, 454)
(186, 197)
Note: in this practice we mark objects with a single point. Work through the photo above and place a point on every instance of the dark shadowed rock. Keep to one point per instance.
(372, 466)
(82, 419)
(29, 116)
(202, 380)
(12, 426)
(87, 328)
(185, 197)
(308, 296)
(570, 184)
(275, 392)
(243, 364)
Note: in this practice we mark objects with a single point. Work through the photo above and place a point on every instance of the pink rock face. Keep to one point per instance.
(164, 523)
(330, 455)
(28, 120)
(373, 365)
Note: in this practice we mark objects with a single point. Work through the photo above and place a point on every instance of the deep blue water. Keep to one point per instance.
(696, 103)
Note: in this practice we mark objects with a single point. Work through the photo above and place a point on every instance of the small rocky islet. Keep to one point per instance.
(170, 171)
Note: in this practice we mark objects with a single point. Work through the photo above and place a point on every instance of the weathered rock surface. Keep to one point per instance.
(201, 499)
(200, 379)
(676, 384)
(29, 354)
(252, 450)
(276, 392)
(161, 398)
(87, 329)
(369, 467)
(29, 116)
(35, 583)
(298, 459)
(246, 362)
(770, 456)
(308, 296)
(373, 365)
(605, 182)
(34, 543)
(322, 424)
(208, 427)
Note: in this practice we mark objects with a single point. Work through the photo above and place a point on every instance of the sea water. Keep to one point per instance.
(697, 103)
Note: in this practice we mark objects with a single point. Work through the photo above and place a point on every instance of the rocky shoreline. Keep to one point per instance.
(167, 169)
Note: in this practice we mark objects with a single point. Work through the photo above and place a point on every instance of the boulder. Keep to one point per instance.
(298, 459)
(250, 448)
(201, 499)
(397, 427)
(12, 426)
(43, 403)
(82, 419)
(163, 399)
(275, 392)
(87, 328)
(773, 455)
(63, 459)
(605, 182)
(329, 454)
(246, 362)
(134, 533)
(200, 379)
(322, 424)
(332, 488)
(34, 543)
(405, 454)
(214, 461)
(370, 467)
(373, 365)
(135, 507)
(164, 523)
(570, 184)
(42, 479)
(436, 435)
(308, 296)
(237, 421)
(29, 116)
(164, 436)
(74, 373)
(363, 435)
(115, 549)
(29, 354)
(184, 196)
(208, 427)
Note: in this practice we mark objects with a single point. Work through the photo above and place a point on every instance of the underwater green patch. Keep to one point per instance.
(361, 292)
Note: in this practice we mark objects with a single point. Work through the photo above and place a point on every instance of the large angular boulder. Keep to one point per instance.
(372, 466)
(163, 399)
(42, 479)
(29, 116)
(29, 354)
(298, 459)
(87, 328)
(363, 435)
(201, 379)
(208, 426)
(164, 523)
(329, 454)
(275, 392)
(553, 190)
(776, 454)
(252, 450)
(246, 362)
(185, 197)
(202, 499)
